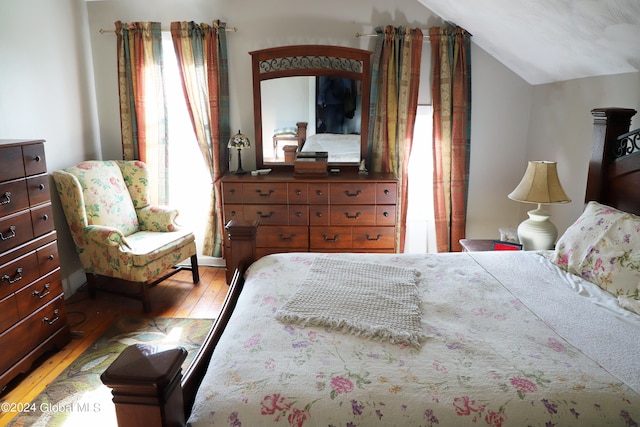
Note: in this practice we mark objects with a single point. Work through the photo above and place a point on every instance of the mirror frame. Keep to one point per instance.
(310, 60)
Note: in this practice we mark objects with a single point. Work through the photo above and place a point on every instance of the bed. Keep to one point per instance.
(507, 338)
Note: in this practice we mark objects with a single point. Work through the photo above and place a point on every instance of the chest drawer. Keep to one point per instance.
(47, 258)
(329, 238)
(18, 273)
(231, 192)
(282, 236)
(265, 192)
(38, 293)
(12, 164)
(386, 193)
(15, 229)
(38, 189)
(33, 157)
(352, 214)
(373, 237)
(13, 197)
(8, 312)
(276, 214)
(42, 219)
(352, 193)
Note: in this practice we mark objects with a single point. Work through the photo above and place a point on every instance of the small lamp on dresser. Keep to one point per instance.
(540, 184)
(239, 142)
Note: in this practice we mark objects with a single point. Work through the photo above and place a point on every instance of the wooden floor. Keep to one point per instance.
(89, 318)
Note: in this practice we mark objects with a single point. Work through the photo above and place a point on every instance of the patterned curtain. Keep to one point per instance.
(143, 109)
(201, 50)
(451, 92)
(394, 102)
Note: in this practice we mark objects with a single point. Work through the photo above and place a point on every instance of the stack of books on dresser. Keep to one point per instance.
(311, 164)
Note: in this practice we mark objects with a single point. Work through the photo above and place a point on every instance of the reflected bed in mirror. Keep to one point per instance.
(326, 87)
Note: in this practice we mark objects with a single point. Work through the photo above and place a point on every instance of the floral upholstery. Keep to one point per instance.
(116, 231)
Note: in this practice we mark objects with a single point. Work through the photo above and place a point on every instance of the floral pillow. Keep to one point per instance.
(603, 247)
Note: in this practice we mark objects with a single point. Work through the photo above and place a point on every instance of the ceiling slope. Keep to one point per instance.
(546, 41)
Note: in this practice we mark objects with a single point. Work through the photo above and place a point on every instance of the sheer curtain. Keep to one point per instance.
(201, 51)
(394, 102)
(143, 110)
(451, 92)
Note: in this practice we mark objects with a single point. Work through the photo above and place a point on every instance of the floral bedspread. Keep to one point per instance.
(488, 359)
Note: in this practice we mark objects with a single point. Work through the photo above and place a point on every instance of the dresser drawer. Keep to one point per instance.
(329, 238)
(298, 193)
(18, 273)
(38, 188)
(386, 193)
(12, 164)
(232, 212)
(232, 192)
(39, 293)
(42, 219)
(319, 193)
(319, 215)
(353, 193)
(13, 197)
(34, 161)
(47, 258)
(8, 312)
(385, 215)
(352, 214)
(23, 337)
(373, 237)
(285, 236)
(265, 192)
(266, 214)
(15, 229)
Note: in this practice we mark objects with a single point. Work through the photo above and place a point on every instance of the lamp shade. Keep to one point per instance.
(239, 141)
(540, 184)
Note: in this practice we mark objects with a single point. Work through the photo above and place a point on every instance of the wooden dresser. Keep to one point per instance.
(347, 212)
(32, 311)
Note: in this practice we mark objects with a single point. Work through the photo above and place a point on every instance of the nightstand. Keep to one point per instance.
(476, 245)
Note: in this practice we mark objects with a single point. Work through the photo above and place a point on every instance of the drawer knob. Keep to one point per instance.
(37, 158)
(299, 214)
(319, 192)
(45, 217)
(44, 293)
(232, 191)
(298, 192)
(349, 216)
(12, 231)
(267, 194)
(41, 186)
(51, 257)
(265, 216)
(287, 238)
(387, 192)
(14, 279)
(385, 214)
(6, 198)
(52, 321)
(356, 194)
(330, 239)
(374, 239)
(319, 214)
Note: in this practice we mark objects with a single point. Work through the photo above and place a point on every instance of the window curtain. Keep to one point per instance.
(143, 110)
(394, 102)
(451, 92)
(201, 50)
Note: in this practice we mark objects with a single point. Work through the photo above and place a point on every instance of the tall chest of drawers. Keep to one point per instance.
(32, 311)
(349, 212)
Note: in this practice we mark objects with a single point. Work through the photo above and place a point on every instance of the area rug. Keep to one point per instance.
(77, 397)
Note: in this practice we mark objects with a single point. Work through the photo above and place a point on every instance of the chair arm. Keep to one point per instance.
(105, 236)
(157, 218)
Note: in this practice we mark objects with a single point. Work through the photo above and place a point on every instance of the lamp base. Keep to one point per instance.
(537, 232)
(240, 171)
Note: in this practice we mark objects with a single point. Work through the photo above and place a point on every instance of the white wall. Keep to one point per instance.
(46, 92)
(561, 130)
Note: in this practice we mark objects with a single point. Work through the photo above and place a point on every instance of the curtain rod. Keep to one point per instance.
(424, 36)
(103, 31)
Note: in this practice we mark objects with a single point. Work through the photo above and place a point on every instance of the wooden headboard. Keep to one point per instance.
(614, 169)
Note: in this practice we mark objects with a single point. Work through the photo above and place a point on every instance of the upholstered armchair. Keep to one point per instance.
(117, 232)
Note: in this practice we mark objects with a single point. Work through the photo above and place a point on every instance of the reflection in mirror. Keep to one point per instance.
(331, 107)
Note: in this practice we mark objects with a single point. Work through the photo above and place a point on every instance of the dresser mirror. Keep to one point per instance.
(310, 98)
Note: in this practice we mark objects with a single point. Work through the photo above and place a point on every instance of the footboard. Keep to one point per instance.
(147, 383)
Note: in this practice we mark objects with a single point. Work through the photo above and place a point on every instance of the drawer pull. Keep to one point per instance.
(386, 192)
(42, 294)
(37, 158)
(54, 320)
(41, 187)
(45, 217)
(6, 198)
(12, 229)
(298, 192)
(386, 214)
(319, 214)
(356, 216)
(356, 194)
(374, 239)
(330, 239)
(319, 192)
(14, 279)
(265, 216)
(268, 194)
(232, 191)
(298, 214)
(287, 238)
(51, 257)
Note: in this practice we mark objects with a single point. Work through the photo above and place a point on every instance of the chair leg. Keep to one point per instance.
(91, 285)
(144, 296)
(194, 269)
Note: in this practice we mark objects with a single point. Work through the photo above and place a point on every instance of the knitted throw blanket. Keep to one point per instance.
(370, 300)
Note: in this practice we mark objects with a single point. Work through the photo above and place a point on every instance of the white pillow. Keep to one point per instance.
(603, 247)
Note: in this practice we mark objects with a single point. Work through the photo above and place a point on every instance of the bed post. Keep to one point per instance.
(608, 124)
(242, 236)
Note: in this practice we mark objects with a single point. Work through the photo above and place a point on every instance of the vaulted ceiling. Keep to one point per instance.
(547, 41)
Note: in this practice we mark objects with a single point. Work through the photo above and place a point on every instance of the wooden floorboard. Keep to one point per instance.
(176, 296)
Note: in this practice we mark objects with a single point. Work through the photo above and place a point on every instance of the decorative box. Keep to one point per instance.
(310, 166)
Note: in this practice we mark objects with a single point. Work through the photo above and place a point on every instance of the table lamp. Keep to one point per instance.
(540, 184)
(239, 142)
